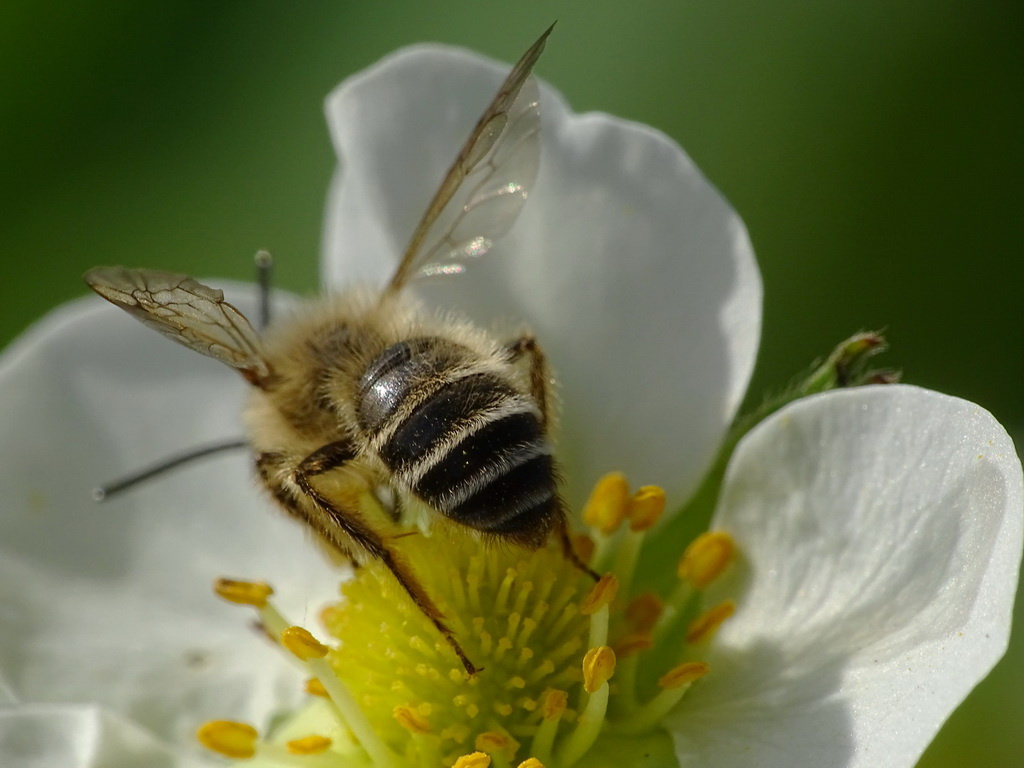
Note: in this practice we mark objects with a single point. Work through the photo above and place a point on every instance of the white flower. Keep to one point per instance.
(879, 528)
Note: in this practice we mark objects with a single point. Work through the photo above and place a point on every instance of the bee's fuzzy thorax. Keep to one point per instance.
(319, 352)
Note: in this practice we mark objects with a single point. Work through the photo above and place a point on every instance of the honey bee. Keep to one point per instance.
(432, 408)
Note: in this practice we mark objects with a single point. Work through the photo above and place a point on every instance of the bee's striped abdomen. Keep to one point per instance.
(462, 437)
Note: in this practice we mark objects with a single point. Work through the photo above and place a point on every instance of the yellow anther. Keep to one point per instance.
(253, 593)
(411, 720)
(601, 595)
(473, 760)
(644, 611)
(228, 738)
(554, 704)
(459, 732)
(496, 742)
(706, 558)
(598, 667)
(330, 614)
(584, 547)
(684, 674)
(705, 625)
(635, 643)
(646, 508)
(301, 643)
(309, 745)
(608, 504)
(531, 762)
(315, 688)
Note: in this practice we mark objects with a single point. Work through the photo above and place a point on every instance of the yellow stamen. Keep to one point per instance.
(599, 623)
(608, 504)
(347, 707)
(473, 760)
(330, 613)
(644, 610)
(705, 625)
(531, 762)
(309, 745)
(644, 511)
(646, 508)
(272, 621)
(584, 547)
(702, 562)
(496, 743)
(315, 688)
(634, 643)
(684, 674)
(674, 608)
(598, 667)
(601, 595)
(411, 720)
(253, 593)
(674, 685)
(626, 673)
(301, 643)
(706, 557)
(228, 738)
(554, 704)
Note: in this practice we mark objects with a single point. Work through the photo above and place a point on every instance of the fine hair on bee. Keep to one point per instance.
(367, 384)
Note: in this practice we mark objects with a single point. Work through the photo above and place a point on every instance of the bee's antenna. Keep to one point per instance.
(165, 465)
(264, 270)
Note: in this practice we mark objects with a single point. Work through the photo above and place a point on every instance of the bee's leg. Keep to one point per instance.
(333, 456)
(327, 457)
(540, 377)
(540, 387)
(569, 551)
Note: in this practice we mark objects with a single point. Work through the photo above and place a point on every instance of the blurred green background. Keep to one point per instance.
(873, 148)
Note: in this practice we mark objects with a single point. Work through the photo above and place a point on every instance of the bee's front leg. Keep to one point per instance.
(296, 491)
(334, 455)
(540, 376)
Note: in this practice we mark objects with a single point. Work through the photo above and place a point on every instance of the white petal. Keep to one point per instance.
(881, 535)
(47, 736)
(112, 603)
(635, 275)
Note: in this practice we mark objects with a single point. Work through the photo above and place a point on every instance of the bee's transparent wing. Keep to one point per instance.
(186, 311)
(488, 183)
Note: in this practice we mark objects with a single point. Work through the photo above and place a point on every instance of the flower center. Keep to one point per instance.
(562, 660)
(517, 615)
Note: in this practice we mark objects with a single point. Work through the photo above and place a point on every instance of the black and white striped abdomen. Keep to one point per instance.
(458, 433)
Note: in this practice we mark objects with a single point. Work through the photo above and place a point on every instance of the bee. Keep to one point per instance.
(432, 408)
